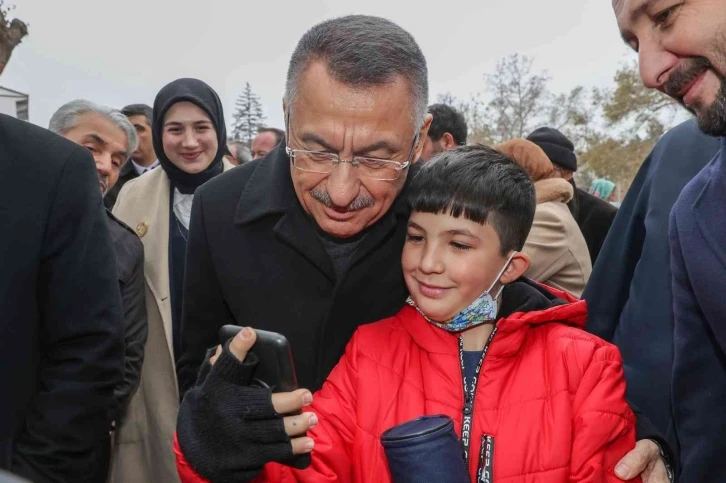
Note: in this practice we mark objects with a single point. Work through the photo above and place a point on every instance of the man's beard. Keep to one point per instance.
(103, 183)
(712, 119)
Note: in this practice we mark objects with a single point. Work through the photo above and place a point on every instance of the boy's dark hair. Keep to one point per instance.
(482, 185)
(447, 120)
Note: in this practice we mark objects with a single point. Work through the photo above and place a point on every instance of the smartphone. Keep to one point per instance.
(275, 369)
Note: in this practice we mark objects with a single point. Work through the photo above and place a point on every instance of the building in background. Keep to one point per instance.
(14, 103)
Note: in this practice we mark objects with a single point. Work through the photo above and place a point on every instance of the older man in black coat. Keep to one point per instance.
(593, 215)
(61, 332)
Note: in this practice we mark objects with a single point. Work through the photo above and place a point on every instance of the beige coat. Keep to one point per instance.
(555, 245)
(143, 450)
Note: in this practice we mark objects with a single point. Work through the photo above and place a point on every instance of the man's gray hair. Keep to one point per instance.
(363, 51)
(243, 152)
(66, 118)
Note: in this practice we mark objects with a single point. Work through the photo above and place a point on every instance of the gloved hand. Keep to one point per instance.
(229, 429)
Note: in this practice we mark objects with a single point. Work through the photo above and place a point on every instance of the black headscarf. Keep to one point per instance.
(203, 96)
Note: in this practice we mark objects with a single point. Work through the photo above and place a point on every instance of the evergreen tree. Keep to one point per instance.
(248, 116)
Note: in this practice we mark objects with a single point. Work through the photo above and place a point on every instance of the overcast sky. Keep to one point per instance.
(124, 51)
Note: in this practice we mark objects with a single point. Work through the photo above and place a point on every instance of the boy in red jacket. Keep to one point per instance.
(504, 357)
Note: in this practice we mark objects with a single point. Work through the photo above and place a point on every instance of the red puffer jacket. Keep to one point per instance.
(551, 395)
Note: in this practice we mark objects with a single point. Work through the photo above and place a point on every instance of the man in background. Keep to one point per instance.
(143, 158)
(238, 153)
(448, 131)
(265, 141)
(593, 215)
(111, 139)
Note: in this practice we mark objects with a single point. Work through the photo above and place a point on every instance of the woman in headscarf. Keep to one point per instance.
(555, 245)
(190, 141)
(603, 189)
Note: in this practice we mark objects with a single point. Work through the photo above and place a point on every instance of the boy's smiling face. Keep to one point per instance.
(448, 262)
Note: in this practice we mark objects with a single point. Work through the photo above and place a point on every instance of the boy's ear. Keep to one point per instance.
(516, 268)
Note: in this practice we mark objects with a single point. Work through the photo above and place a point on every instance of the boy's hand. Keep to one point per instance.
(283, 402)
(644, 461)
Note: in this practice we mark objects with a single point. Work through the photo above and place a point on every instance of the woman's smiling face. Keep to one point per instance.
(189, 137)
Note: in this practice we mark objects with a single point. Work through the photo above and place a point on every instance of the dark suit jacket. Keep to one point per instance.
(698, 250)
(629, 292)
(127, 173)
(254, 258)
(130, 271)
(61, 335)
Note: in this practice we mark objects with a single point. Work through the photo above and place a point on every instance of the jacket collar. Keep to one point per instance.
(709, 202)
(553, 189)
(526, 305)
(127, 169)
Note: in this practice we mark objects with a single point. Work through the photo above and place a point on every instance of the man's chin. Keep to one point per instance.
(340, 229)
(712, 120)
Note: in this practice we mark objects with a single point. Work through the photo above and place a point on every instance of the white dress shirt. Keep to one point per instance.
(143, 169)
(183, 207)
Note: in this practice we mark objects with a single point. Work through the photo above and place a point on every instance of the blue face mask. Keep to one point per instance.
(482, 310)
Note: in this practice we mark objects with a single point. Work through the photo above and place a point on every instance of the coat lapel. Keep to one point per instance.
(707, 209)
(270, 191)
(156, 246)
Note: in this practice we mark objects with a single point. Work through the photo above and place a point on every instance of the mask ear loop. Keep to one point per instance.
(501, 272)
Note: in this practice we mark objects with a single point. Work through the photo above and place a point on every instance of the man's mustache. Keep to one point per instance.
(689, 70)
(362, 201)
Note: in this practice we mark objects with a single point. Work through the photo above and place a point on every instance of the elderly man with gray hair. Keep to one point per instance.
(111, 139)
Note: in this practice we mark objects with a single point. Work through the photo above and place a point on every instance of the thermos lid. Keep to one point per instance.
(419, 428)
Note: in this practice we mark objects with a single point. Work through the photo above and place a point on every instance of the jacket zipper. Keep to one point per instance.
(470, 396)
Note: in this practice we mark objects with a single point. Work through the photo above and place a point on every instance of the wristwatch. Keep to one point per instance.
(666, 461)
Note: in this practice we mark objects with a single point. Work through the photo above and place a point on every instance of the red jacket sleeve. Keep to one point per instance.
(335, 407)
(603, 425)
(185, 470)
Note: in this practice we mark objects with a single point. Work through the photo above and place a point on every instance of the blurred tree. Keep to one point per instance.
(519, 100)
(472, 110)
(248, 116)
(631, 102)
(613, 129)
(634, 118)
(11, 33)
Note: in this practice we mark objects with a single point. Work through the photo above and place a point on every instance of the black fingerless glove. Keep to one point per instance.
(228, 429)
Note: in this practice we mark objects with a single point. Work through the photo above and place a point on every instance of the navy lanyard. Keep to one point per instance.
(469, 394)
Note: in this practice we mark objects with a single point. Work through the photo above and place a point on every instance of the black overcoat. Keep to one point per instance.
(61, 332)
(594, 217)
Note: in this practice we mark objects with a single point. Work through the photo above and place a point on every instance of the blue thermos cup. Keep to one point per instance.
(426, 449)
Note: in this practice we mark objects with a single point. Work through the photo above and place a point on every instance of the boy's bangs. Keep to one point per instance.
(440, 202)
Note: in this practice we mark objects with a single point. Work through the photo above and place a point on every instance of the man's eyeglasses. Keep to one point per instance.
(373, 168)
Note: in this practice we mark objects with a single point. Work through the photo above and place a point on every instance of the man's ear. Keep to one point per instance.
(516, 268)
(447, 141)
(422, 136)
